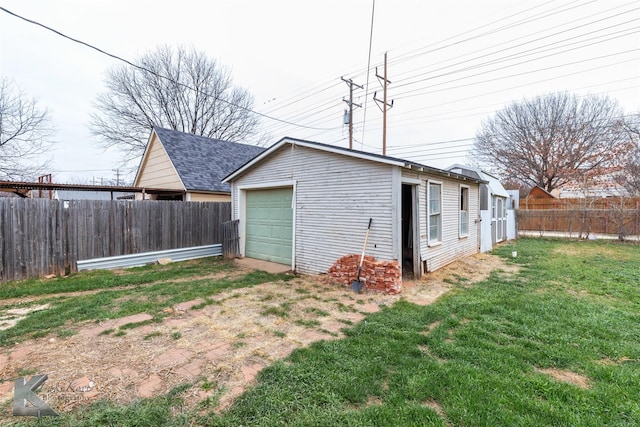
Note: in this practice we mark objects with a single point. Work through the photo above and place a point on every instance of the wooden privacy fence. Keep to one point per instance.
(618, 216)
(40, 237)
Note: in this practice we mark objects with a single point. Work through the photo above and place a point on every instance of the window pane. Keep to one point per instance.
(434, 206)
(464, 211)
(434, 198)
(434, 228)
(464, 222)
(434, 212)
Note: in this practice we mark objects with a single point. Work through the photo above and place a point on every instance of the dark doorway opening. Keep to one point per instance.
(409, 249)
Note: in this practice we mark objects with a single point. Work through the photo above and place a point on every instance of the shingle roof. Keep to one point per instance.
(90, 195)
(202, 162)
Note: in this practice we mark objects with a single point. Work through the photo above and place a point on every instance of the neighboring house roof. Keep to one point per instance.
(347, 152)
(90, 195)
(495, 186)
(201, 162)
(22, 189)
(538, 192)
(604, 184)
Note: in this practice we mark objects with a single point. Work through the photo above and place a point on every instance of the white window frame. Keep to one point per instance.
(463, 214)
(430, 216)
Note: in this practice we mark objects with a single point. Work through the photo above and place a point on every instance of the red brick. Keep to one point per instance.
(383, 276)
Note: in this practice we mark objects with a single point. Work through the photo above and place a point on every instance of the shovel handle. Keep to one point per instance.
(364, 247)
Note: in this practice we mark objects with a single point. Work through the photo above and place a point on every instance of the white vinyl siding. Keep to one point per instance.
(334, 197)
(451, 247)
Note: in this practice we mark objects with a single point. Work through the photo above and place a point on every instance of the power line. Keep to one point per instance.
(538, 49)
(520, 74)
(366, 99)
(356, 73)
(141, 68)
(515, 24)
(510, 58)
(518, 54)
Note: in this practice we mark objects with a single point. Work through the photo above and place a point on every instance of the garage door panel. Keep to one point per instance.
(269, 224)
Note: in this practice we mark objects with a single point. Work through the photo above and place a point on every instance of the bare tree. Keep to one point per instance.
(178, 89)
(25, 134)
(552, 140)
(629, 177)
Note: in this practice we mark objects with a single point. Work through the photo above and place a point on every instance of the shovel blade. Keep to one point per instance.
(356, 286)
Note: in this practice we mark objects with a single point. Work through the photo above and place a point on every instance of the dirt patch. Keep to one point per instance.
(577, 250)
(438, 410)
(219, 348)
(567, 377)
(9, 317)
(616, 362)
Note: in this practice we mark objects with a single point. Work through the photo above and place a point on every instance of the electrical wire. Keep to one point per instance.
(528, 19)
(322, 111)
(142, 68)
(373, 10)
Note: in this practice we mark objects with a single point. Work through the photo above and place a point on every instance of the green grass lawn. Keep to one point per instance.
(482, 355)
(150, 289)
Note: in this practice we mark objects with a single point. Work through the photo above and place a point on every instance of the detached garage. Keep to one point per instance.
(307, 205)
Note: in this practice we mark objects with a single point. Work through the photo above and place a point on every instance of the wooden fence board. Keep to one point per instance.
(40, 236)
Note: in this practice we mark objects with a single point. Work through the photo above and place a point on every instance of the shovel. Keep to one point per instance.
(356, 285)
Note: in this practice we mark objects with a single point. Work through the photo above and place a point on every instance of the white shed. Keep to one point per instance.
(307, 204)
(497, 222)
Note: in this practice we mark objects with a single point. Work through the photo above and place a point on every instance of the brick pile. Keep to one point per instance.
(376, 276)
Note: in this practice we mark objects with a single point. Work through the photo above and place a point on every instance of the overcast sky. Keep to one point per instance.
(451, 64)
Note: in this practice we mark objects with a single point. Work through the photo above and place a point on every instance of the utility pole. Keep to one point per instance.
(385, 104)
(350, 103)
(117, 171)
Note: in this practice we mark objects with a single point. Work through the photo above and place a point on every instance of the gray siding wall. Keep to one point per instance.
(334, 197)
(452, 246)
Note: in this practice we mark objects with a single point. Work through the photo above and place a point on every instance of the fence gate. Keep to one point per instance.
(231, 239)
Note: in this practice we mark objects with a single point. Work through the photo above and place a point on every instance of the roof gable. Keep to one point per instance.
(155, 160)
(202, 162)
(347, 152)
